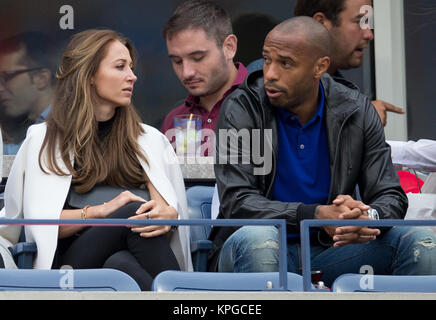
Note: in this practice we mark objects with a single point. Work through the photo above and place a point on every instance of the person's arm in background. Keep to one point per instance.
(382, 107)
(420, 155)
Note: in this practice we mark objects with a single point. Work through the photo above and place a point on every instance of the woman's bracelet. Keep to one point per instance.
(83, 213)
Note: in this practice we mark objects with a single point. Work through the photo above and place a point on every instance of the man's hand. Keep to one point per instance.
(333, 212)
(345, 207)
(354, 234)
(349, 202)
(382, 107)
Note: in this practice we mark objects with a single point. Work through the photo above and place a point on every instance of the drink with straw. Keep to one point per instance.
(188, 134)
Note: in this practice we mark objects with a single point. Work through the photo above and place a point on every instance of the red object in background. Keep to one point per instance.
(409, 182)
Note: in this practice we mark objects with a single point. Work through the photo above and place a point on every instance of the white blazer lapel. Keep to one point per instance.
(156, 170)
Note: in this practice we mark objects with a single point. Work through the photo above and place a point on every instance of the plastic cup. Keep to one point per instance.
(188, 134)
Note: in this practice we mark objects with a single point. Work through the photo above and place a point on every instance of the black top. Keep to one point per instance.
(104, 128)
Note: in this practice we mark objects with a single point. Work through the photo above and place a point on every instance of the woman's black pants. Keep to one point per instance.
(118, 248)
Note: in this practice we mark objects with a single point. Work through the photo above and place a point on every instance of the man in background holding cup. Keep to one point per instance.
(201, 46)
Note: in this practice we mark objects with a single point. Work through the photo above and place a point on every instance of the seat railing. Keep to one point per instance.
(305, 226)
(279, 223)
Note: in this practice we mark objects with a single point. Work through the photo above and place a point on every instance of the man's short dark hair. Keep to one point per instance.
(330, 8)
(41, 50)
(200, 14)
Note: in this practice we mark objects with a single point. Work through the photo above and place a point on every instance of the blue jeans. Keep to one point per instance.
(400, 251)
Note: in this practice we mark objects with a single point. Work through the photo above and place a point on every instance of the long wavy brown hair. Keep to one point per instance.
(72, 126)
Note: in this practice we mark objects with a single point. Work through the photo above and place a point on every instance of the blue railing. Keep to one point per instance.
(305, 225)
(279, 223)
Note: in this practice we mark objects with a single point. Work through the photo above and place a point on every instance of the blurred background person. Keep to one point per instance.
(28, 62)
(343, 20)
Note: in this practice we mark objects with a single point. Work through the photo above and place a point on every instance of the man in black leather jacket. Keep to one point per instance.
(296, 59)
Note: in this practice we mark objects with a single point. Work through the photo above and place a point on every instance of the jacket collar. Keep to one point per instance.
(338, 97)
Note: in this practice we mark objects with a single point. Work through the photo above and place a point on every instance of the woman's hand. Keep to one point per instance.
(154, 210)
(104, 210)
(95, 212)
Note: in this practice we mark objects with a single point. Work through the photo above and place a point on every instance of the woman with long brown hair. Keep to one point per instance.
(94, 159)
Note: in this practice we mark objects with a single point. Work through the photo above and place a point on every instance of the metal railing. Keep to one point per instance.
(305, 225)
(279, 223)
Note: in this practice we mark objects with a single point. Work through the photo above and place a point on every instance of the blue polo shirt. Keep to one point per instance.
(303, 171)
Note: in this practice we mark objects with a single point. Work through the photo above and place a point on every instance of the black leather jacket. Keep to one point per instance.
(357, 150)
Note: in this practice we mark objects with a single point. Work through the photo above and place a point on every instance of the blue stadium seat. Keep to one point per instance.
(384, 283)
(199, 200)
(220, 281)
(66, 280)
(24, 253)
(199, 207)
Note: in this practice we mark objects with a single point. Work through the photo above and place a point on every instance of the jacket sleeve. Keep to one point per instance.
(175, 176)
(420, 155)
(14, 190)
(240, 175)
(379, 183)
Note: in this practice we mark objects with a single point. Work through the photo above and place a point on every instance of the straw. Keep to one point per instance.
(188, 128)
(190, 120)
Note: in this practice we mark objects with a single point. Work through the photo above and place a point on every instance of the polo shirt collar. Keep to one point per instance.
(43, 116)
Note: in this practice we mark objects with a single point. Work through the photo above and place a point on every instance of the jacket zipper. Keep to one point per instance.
(273, 161)
(273, 149)
(332, 183)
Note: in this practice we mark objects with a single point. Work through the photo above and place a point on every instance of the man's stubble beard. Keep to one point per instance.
(216, 83)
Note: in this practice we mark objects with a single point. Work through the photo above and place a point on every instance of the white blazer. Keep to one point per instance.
(1, 156)
(42, 196)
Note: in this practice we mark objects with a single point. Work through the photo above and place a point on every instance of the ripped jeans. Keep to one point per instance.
(400, 251)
